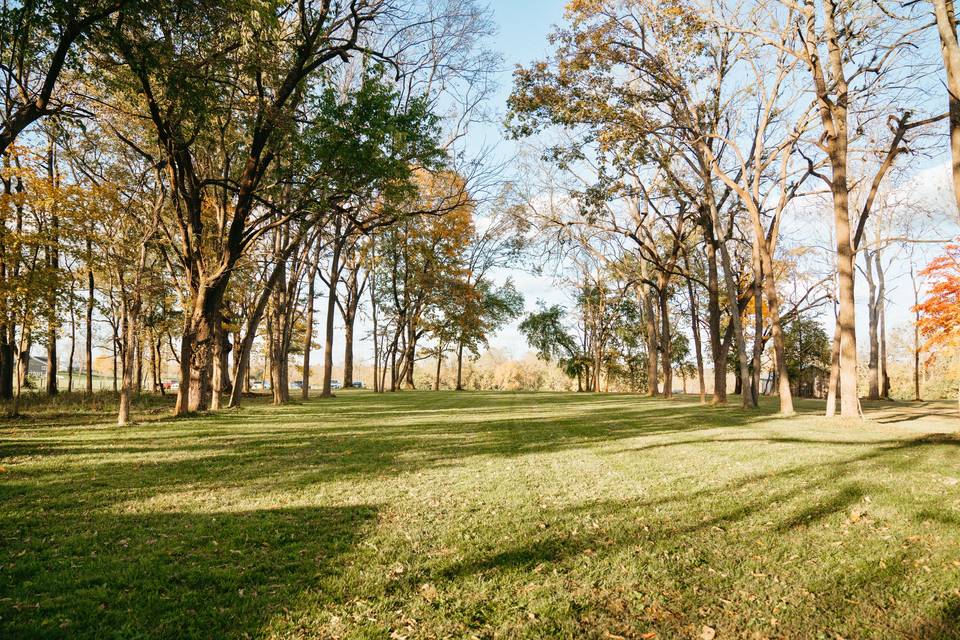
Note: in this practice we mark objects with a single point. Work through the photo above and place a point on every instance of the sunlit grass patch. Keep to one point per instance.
(433, 515)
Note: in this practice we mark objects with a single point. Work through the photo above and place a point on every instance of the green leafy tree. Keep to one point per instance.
(547, 335)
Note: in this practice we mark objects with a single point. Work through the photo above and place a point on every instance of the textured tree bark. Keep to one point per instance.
(650, 336)
(665, 338)
(747, 399)
(833, 115)
(946, 28)
(217, 359)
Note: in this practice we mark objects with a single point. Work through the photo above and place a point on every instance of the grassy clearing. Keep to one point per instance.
(433, 515)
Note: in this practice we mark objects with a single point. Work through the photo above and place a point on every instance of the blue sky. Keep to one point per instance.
(522, 30)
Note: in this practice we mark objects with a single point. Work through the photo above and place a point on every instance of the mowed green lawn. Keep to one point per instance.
(488, 515)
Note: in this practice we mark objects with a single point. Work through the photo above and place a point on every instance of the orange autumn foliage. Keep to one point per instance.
(939, 320)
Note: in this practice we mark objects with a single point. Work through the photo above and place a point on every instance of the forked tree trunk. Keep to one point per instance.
(733, 293)
(650, 337)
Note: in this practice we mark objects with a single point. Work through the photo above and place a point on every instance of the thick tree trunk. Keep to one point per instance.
(946, 27)
(665, 343)
(201, 361)
(650, 335)
(183, 388)
(217, 362)
(849, 397)
(831, 91)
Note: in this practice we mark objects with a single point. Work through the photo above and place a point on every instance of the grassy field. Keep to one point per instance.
(488, 515)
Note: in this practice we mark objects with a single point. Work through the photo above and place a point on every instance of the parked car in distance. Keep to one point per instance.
(357, 384)
(335, 384)
(296, 384)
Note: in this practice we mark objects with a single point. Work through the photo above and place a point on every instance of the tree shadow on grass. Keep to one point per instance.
(164, 575)
(943, 625)
(237, 449)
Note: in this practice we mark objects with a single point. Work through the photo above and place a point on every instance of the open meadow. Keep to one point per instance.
(488, 515)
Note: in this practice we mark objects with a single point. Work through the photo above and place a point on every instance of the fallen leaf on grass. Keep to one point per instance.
(429, 592)
(708, 633)
(648, 635)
